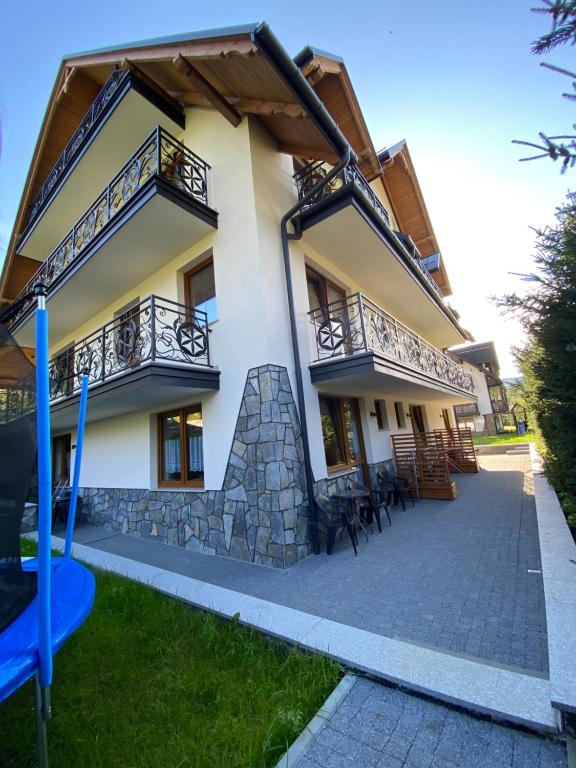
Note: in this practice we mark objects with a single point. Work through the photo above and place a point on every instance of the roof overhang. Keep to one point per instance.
(401, 184)
(329, 78)
(237, 70)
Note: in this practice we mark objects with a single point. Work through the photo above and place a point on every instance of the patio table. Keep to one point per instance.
(353, 497)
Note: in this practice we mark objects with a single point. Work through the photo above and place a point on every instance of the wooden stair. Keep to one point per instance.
(422, 460)
(460, 450)
(426, 460)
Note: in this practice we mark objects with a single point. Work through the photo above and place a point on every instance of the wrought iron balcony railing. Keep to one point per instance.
(17, 400)
(79, 138)
(156, 329)
(159, 156)
(309, 176)
(499, 406)
(467, 409)
(355, 324)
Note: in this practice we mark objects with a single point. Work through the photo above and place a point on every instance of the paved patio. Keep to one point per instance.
(463, 577)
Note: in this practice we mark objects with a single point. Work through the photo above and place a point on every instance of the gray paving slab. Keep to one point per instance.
(383, 727)
(463, 576)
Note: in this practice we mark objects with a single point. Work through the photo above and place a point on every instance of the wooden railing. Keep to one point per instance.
(426, 459)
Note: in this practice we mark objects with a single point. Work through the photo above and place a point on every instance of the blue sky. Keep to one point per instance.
(455, 78)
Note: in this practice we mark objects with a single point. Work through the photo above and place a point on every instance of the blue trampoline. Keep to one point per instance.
(44, 600)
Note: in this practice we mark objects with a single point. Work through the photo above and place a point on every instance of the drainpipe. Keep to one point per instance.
(295, 344)
(295, 80)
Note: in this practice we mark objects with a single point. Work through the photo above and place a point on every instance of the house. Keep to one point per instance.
(255, 293)
(488, 414)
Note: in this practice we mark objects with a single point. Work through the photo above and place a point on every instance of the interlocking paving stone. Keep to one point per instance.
(460, 576)
(382, 727)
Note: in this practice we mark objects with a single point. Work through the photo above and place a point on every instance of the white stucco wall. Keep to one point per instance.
(251, 187)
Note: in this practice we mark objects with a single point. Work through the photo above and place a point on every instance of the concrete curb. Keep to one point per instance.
(504, 694)
(297, 749)
(558, 555)
(498, 450)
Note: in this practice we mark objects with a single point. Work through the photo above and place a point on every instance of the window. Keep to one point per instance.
(321, 291)
(381, 415)
(180, 449)
(200, 290)
(341, 432)
(400, 418)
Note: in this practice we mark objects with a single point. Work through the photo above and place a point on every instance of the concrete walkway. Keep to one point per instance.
(376, 725)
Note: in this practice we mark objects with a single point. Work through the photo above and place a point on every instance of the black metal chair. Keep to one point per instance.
(396, 489)
(336, 516)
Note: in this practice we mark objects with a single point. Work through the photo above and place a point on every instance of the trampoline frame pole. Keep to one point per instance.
(44, 498)
(42, 705)
(77, 465)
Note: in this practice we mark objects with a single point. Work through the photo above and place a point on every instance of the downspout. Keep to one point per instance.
(295, 344)
(295, 80)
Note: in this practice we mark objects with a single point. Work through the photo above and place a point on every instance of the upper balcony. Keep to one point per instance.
(125, 110)
(155, 353)
(361, 347)
(152, 210)
(346, 222)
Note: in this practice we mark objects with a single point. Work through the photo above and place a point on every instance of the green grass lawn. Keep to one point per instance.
(148, 681)
(502, 439)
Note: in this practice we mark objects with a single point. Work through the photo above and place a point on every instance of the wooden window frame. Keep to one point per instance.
(349, 464)
(196, 268)
(182, 483)
(399, 413)
(323, 282)
(382, 409)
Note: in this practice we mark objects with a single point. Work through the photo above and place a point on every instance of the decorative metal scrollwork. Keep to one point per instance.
(131, 179)
(191, 338)
(161, 154)
(332, 334)
(356, 324)
(126, 340)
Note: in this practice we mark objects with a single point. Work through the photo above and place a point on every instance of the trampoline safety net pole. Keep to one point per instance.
(44, 492)
(77, 465)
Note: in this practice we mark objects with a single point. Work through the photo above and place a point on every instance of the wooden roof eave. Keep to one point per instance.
(316, 67)
(403, 156)
(185, 56)
(59, 83)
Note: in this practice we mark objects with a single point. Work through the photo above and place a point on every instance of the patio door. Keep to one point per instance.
(418, 416)
(61, 451)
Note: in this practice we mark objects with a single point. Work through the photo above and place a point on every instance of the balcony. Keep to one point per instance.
(466, 410)
(358, 345)
(346, 222)
(153, 209)
(123, 113)
(156, 353)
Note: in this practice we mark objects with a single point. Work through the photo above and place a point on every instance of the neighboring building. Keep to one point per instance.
(153, 213)
(488, 414)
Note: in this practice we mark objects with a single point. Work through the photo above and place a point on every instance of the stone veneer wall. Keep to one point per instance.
(260, 514)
